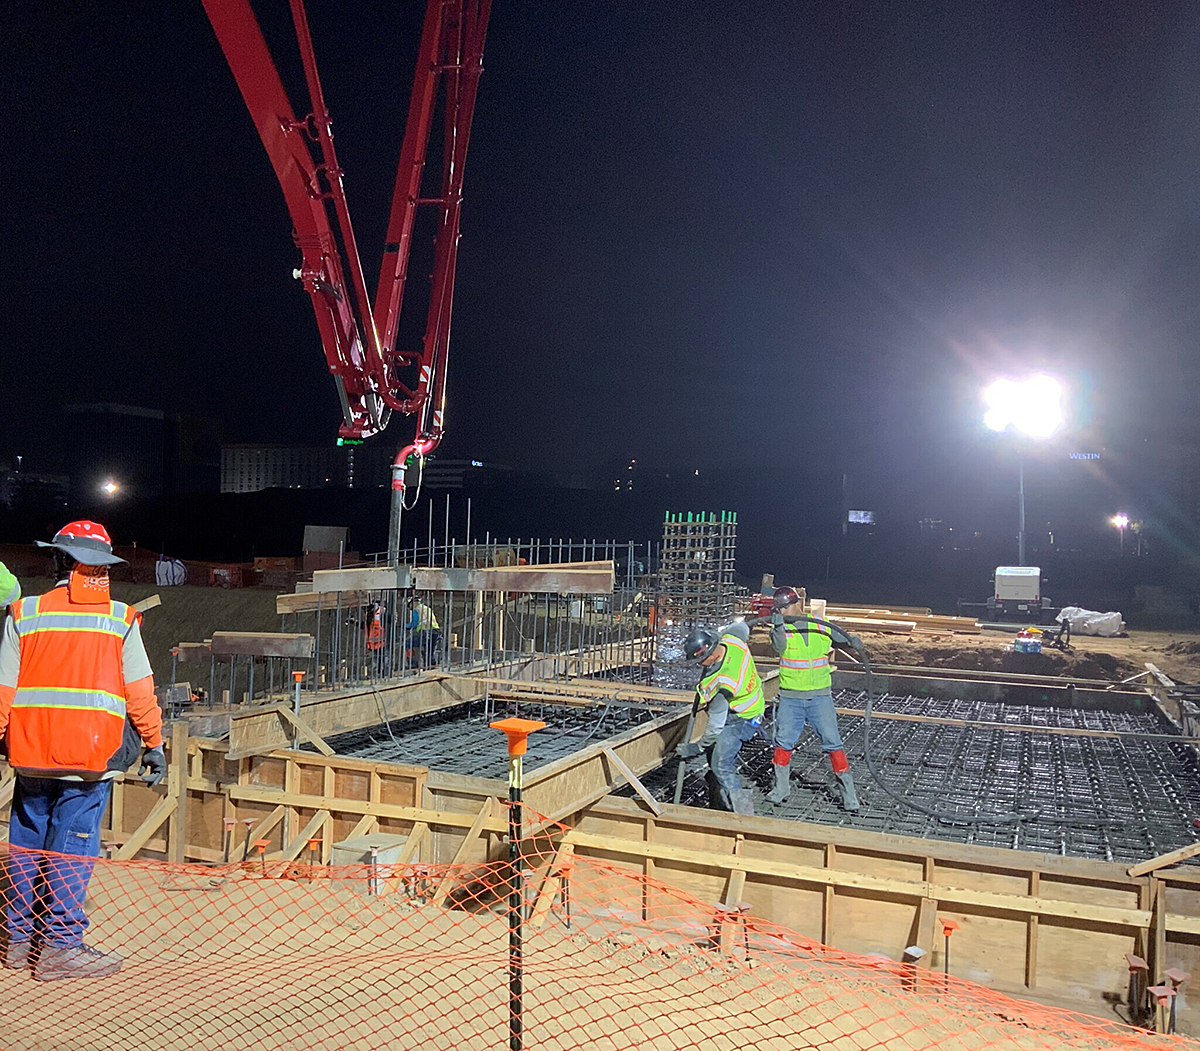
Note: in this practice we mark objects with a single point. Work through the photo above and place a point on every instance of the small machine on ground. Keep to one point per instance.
(1016, 595)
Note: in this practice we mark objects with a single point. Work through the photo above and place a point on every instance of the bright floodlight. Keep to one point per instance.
(1032, 406)
(111, 487)
(1121, 521)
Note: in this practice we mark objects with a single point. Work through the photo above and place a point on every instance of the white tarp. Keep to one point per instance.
(1089, 622)
(169, 572)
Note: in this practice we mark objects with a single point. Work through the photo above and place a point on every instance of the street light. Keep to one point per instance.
(1032, 407)
(110, 488)
(1121, 521)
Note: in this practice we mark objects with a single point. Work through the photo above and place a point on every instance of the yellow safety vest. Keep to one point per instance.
(737, 674)
(804, 664)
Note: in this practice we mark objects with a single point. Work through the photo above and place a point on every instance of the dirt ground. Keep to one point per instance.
(1175, 653)
(266, 963)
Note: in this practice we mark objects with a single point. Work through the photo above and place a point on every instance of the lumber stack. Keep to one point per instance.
(899, 620)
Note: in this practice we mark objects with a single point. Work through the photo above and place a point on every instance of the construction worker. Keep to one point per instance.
(732, 690)
(10, 589)
(77, 706)
(375, 636)
(805, 696)
(424, 635)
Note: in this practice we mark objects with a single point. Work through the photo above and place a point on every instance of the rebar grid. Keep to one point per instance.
(1116, 799)
(458, 740)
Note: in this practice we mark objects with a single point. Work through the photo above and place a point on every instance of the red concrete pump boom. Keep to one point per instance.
(373, 377)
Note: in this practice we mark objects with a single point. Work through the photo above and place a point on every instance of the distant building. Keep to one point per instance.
(145, 452)
(247, 468)
(28, 489)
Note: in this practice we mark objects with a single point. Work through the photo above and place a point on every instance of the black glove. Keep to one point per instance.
(154, 765)
(688, 750)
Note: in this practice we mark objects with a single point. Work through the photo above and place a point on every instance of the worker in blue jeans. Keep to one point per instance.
(730, 686)
(805, 697)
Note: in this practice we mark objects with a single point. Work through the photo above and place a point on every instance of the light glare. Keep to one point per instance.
(1033, 406)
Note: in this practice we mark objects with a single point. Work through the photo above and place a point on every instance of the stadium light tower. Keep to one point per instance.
(1033, 408)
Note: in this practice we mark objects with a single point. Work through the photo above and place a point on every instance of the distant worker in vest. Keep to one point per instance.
(424, 636)
(805, 696)
(77, 707)
(375, 636)
(10, 589)
(730, 687)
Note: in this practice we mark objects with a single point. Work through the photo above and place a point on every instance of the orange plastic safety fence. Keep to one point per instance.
(265, 955)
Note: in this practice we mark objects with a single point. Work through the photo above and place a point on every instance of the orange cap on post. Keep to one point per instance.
(517, 731)
(948, 926)
(297, 675)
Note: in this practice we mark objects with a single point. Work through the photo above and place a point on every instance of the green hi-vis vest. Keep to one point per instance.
(804, 664)
(737, 674)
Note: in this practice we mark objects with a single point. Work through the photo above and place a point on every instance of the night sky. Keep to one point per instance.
(694, 233)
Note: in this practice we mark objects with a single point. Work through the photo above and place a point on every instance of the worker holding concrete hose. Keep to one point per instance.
(731, 688)
(805, 696)
(77, 706)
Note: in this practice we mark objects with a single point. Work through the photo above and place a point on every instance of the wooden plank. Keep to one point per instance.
(262, 644)
(367, 824)
(1021, 904)
(298, 844)
(177, 786)
(1163, 860)
(551, 884)
(633, 779)
(148, 603)
(827, 898)
(307, 602)
(1031, 935)
(450, 880)
(260, 794)
(415, 838)
(737, 877)
(161, 810)
(925, 924)
(377, 578)
(527, 580)
(284, 713)
(267, 825)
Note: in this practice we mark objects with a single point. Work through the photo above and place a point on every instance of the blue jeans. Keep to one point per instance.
(46, 894)
(794, 711)
(735, 733)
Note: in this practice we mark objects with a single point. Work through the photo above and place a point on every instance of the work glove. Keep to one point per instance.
(154, 765)
(777, 619)
(688, 750)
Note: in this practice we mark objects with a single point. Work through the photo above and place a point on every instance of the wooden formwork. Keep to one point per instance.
(1053, 928)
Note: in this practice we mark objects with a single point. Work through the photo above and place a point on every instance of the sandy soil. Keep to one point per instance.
(269, 964)
(1175, 653)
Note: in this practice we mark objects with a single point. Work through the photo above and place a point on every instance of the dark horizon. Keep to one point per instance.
(786, 239)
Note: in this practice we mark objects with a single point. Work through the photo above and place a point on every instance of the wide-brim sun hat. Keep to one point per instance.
(86, 542)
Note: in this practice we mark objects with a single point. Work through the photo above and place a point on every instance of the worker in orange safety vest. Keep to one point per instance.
(77, 706)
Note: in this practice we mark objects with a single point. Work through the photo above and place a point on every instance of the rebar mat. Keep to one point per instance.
(1116, 799)
(459, 740)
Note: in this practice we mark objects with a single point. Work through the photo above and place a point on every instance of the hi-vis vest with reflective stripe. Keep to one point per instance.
(68, 713)
(737, 674)
(804, 664)
(426, 621)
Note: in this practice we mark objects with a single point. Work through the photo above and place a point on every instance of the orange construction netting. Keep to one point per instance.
(263, 955)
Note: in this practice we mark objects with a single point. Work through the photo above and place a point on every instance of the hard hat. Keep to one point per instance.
(700, 643)
(86, 542)
(785, 597)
